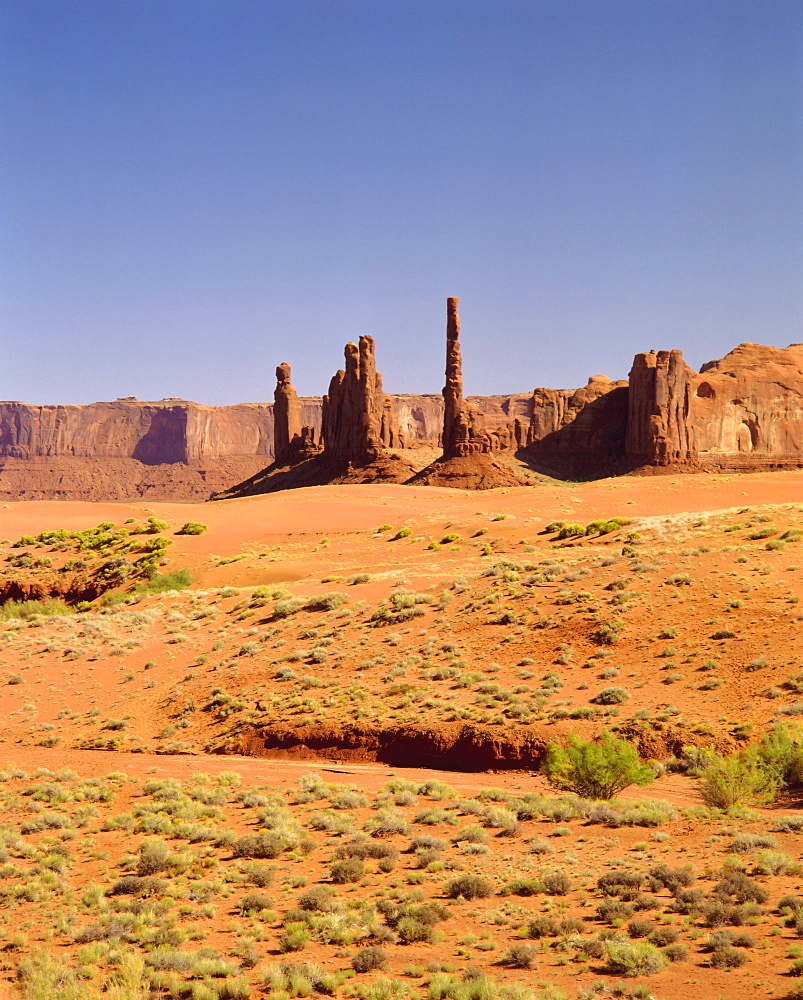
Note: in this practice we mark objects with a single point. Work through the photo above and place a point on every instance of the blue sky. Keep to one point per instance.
(192, 191)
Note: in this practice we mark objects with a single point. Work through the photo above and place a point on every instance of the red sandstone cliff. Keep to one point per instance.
(747, 409)
(659, 431)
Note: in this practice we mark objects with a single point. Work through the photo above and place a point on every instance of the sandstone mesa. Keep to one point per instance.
(741, 413)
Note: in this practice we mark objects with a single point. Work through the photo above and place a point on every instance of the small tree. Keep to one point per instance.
(596, 770)
(736, 780)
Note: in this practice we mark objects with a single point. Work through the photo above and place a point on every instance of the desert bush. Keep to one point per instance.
(736, 780)
(287, 606)
(596, 770)
(740, 887)
(318, 899)
(641, 959)
(161, 583)
(610, 910)
(780, 753)
(625, 885)
(542, 926)
(368, 959)
(557, 883)
(135, 885)
(326, 602)
(773, 863)
(662, 936)
(676, 952)
(726, 957)
(258, 845)
(641, 928)
(412, 931)
(520, 956)
(346, 870)
(661, 876)
(254, 902)
(744, 842)
(611, 696)
(295, 937)
(154, 856)
(522, 887)
(259, 875)
(192, 528)
(30, 609)
(469, 887)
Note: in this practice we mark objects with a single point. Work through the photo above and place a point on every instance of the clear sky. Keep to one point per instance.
(192, 191)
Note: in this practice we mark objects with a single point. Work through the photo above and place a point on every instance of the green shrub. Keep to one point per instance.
(596, 770)
(30, 609)
(347, 870)
(160, 583)
(571, 531)
(295, 937)
(611, 696)
(258, 845)
(287, 606)
(254, 902)
(326, 602)
(736, 780)
(154, 856)
(192, 528)
(640, 959)
(520, 956)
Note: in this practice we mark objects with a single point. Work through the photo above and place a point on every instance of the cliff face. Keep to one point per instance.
(742, 412)
(580, 431)
(746, 410)
(173, 450)
(153, 433)
(659, 429)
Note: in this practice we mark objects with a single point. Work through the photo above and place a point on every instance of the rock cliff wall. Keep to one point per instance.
(746, 410)
(743, 412)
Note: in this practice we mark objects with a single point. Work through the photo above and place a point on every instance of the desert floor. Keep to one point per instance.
(372, 674)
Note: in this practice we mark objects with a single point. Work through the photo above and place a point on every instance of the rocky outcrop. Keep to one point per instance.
(293, 441)
(746, 410)
(580, 431)
(743, 412)
(359, 428)
(659, 430)
(358, 422)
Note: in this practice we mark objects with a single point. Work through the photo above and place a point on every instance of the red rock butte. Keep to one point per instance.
(741, 413)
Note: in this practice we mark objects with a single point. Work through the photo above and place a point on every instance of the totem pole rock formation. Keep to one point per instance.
(293, 441)
(358, 421)
(463, 425)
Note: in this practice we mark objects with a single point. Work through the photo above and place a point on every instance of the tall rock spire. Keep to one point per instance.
(463, 425)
